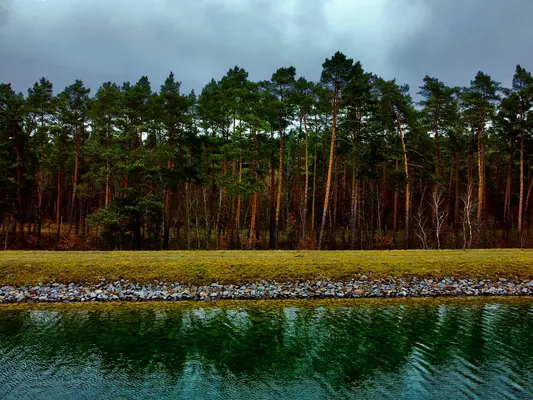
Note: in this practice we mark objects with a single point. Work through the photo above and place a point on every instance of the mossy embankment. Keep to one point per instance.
(203, 267)
(107, 306)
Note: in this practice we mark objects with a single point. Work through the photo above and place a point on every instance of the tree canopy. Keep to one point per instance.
(348, 162)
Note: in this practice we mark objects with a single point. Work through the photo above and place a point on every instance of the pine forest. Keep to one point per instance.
(352, 161)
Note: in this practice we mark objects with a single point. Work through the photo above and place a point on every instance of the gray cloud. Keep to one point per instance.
(5, 12)
(119, 40)
(461, 37)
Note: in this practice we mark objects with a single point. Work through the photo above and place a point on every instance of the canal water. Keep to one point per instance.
(359, 350)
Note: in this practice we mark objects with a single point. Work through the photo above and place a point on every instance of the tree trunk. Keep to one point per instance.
(470, 184)
(40, 198)
(187, 217)
(395, 212)
(107, 183)
(407, 194)
(335, 204)
(252, 238)
(75, 178)
(168, 213)
(507, 202)
(456, 206)
(481, 178)
(232, 211)
(58, 207)
(353, 206)
(238, 213)
(521, 198)
(330, 166)
(272, 203)
(450, 192)
(528, 197)
(297, 197)
(313, 202)
(279, 193)
(306, 187)
(437, 148)
(385, 198)
(179, 200)
(19, 190)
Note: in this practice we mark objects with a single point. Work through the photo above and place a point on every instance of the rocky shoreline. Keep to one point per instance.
(358, 288)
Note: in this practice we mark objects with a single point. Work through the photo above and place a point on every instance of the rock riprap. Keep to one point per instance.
(358, 288)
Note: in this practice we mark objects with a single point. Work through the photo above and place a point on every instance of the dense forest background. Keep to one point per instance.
(350, 162)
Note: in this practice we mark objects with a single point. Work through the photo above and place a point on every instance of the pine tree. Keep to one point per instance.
(335, 74)
(480, 99)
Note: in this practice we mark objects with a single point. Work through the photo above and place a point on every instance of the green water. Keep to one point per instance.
(397, 351)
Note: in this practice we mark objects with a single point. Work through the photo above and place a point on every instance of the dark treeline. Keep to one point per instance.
(350, 162)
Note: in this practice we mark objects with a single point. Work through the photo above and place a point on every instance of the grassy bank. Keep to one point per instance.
(200, 267)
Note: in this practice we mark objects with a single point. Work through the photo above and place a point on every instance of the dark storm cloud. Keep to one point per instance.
(119, 40)
(461, 37)
(99, 40)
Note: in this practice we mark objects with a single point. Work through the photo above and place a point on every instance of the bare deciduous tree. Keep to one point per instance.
(421, 222)
(439, 212)
(466, 218)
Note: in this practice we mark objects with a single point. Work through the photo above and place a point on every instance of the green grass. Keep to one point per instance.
(200, 267)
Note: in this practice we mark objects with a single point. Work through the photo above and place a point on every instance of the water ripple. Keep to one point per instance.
(401, 351)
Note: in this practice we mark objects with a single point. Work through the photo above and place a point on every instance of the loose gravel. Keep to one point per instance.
(363, 287)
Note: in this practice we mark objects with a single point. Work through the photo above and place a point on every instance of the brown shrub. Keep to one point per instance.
(306, 244)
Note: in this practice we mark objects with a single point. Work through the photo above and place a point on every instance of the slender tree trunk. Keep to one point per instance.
(395, 212)
(330, 166)
(179, 199)
(40, 198)
(528, 197)
(313, 204)
(212, 196)
(279, 193)
(470, 184)
(272, 235)
(407, 194)
(253, 221)
(187, 216)
(107, 183)
(238, 213)
(253, 224)
(306, 188)
(353, 207)
(521, 197)
(253, 217)
(437, 148)
(507, 202)
(75, 178)
(207, 230)
(384, 198)
(58, 205)
(450, 192)
(168, 212)
(481, 178)
(20, 219)
(232, 212)
(457, 205)
(335, 204)
(297, 197)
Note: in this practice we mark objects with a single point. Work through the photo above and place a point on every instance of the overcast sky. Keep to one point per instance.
(119, 40)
